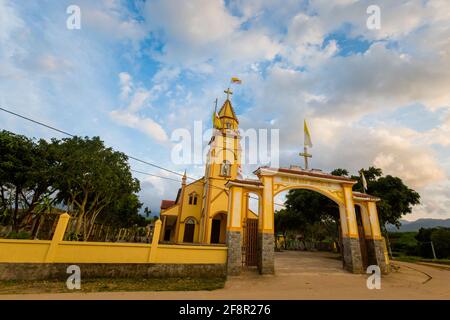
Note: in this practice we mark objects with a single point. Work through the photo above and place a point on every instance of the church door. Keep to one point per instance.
(189, 232)
(215, 231)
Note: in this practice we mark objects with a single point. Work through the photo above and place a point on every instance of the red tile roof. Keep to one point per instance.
(365, 196)
(166, 204)
(248, 181)
(310, 173)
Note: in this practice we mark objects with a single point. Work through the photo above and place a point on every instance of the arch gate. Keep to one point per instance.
(339, 189)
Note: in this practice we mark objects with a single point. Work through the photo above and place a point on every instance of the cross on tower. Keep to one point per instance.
(305, 155)
(228, 92)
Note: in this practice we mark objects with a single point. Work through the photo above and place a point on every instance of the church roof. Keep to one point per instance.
(227, 111)
(166, 204)
(310, 173)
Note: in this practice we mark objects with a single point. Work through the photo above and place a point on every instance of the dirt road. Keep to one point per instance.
(301, 275)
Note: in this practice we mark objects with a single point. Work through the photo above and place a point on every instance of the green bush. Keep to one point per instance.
(441, 242)
(19, 235)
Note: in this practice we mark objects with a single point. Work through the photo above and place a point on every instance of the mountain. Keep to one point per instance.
(420, 223)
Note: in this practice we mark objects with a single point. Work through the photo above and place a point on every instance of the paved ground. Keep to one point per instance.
(302, 275)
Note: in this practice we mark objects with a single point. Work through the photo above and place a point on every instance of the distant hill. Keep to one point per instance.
(420, 223)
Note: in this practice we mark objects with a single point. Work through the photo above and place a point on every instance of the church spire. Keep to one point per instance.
(227, 115)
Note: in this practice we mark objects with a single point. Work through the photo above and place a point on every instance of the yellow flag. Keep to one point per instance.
(236, 80)
(307, 140)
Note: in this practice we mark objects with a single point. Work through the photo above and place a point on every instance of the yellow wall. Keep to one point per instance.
(57, 251)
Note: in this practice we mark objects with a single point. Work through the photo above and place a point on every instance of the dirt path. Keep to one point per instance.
(301, 275)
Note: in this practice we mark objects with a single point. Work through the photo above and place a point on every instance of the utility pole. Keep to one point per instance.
(432, 249)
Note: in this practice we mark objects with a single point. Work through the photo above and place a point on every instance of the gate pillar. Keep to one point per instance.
(266, 240)
(350, 240)
(234, 230)
(376, 245)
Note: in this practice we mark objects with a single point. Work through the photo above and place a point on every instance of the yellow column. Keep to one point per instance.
(155, 242)
(266, 220)
(350, 212)
(374, 222)
(163, 228)
(343, 218)
(58, 236)
(367, 225)
(235, 209)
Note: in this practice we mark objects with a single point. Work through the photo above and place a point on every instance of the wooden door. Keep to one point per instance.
(189, 229)
(250, 243)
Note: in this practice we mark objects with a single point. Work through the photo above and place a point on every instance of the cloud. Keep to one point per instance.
(204, 31)
(145, 125)
(174, 58)
(137, 98)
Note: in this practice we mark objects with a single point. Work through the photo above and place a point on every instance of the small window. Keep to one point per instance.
(193, 199)
(228, 125)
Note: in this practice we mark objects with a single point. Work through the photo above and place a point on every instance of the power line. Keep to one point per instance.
(130, 157)
(72, 135)
(155, 175)
(37, 122)
(159, 167)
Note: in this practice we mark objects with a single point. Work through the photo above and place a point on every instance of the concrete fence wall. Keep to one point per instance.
(59, 251)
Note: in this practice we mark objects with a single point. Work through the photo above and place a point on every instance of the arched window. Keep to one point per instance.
(193, 198)
(225, 169)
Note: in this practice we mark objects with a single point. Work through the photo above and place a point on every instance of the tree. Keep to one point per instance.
(92, 177)
(124, 212)
(27, 173)
(309, 213)
(397, 199)
(441, 242)
(340, 172)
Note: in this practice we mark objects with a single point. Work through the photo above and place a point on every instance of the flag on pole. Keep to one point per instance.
(363, 179)
(307, 140)
(236, 80)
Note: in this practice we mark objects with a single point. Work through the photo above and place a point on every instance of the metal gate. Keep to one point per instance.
(250, 243)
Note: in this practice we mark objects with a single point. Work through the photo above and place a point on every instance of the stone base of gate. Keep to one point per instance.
(266, 253)
(234, 259)
(375, 253)
(352, 255)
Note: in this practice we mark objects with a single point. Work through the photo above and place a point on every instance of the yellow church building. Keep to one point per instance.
(199, 212)
(214, 209)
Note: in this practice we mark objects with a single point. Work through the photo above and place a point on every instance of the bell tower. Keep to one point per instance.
(222, 164)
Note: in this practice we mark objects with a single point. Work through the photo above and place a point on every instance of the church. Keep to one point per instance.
(215, 209)
(199, 212)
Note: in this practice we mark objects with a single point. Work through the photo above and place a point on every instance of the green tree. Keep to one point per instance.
(441, 242)
(124, 212)
(27, 173)
(397, 199)
(92, 177)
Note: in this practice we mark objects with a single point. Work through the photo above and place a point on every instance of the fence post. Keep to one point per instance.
(58, 236)
(155, 241)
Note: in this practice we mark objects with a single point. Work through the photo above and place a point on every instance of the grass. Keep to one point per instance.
(405, 258)
(104, 284)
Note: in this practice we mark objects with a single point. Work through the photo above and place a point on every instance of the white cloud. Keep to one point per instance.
(145, 125)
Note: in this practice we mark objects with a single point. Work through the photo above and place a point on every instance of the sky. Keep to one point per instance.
(136, 71)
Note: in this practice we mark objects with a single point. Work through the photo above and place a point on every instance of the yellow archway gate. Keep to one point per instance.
(339, 189)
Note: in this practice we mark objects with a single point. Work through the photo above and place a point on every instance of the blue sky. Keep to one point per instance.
(138, 70)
